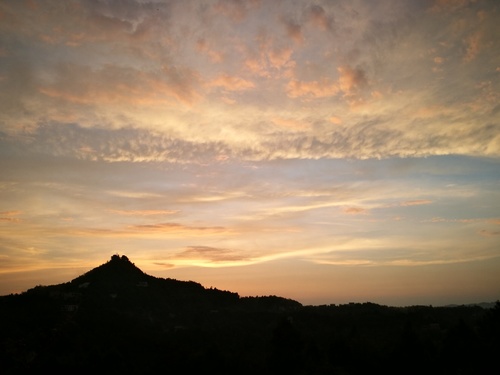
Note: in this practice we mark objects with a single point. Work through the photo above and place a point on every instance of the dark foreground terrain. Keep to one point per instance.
(117, 320)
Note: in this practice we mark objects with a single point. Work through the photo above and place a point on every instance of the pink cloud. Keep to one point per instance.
(290, 123)
(315, 89)
(232, 83)
(351, 79)
(279, 57)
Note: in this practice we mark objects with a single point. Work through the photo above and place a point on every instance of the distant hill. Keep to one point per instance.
(484, 305)
(116, 319)
(119, 285)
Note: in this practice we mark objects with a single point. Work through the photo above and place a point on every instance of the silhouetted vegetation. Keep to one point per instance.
(116, 319)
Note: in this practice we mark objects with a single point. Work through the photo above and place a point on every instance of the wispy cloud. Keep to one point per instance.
(417, 202)
(355, 210)
(144, 212)
(489, 233)
(211, 254)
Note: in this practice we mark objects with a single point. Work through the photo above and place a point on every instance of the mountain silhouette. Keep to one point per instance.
(118, 270)
(121, 286)
(116, 319)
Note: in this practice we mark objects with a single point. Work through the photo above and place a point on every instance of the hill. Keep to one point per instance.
(117, 319)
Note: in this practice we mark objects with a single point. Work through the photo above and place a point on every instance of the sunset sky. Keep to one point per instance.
(325, 151)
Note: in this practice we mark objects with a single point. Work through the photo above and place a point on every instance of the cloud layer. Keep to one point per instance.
(419, 80)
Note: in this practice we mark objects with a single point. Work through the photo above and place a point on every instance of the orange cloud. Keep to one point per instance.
(11, 213)
(10, 219)
(355, 210)
(116, 85)
(256, 66)
(417, 202)
(335, 120)
(351, 79)
(211, 254)
(279, 57)
(144, 212)
(294, 31)
(232, 83)
(315, 89)
(8, 216)
(148, 230)
(176, 228)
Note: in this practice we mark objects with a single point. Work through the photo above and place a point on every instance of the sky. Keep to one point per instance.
(324, 151)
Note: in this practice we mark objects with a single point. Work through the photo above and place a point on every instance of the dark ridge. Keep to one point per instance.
(116, 319)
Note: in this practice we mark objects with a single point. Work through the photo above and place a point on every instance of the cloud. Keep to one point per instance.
(176, 228)
(449, 5)
(144, 212)
(164, 264)
(293, 30)
(291, 124)
(280, 57)
(116, 145)
(351, 80)
(83, 22)
(438, 60)
(157, 230)
(235, 10)
(445, 220)
(335, 120)
(489, 233)
(231, 83)
(127, 86)
(312, 89)
(10, 216)
(211, 254)
(10, 220)
(114, 85)
(472, 46)
(203, 46)
(417, 202)
(11, 213)
(318, 17)
(355, 210)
